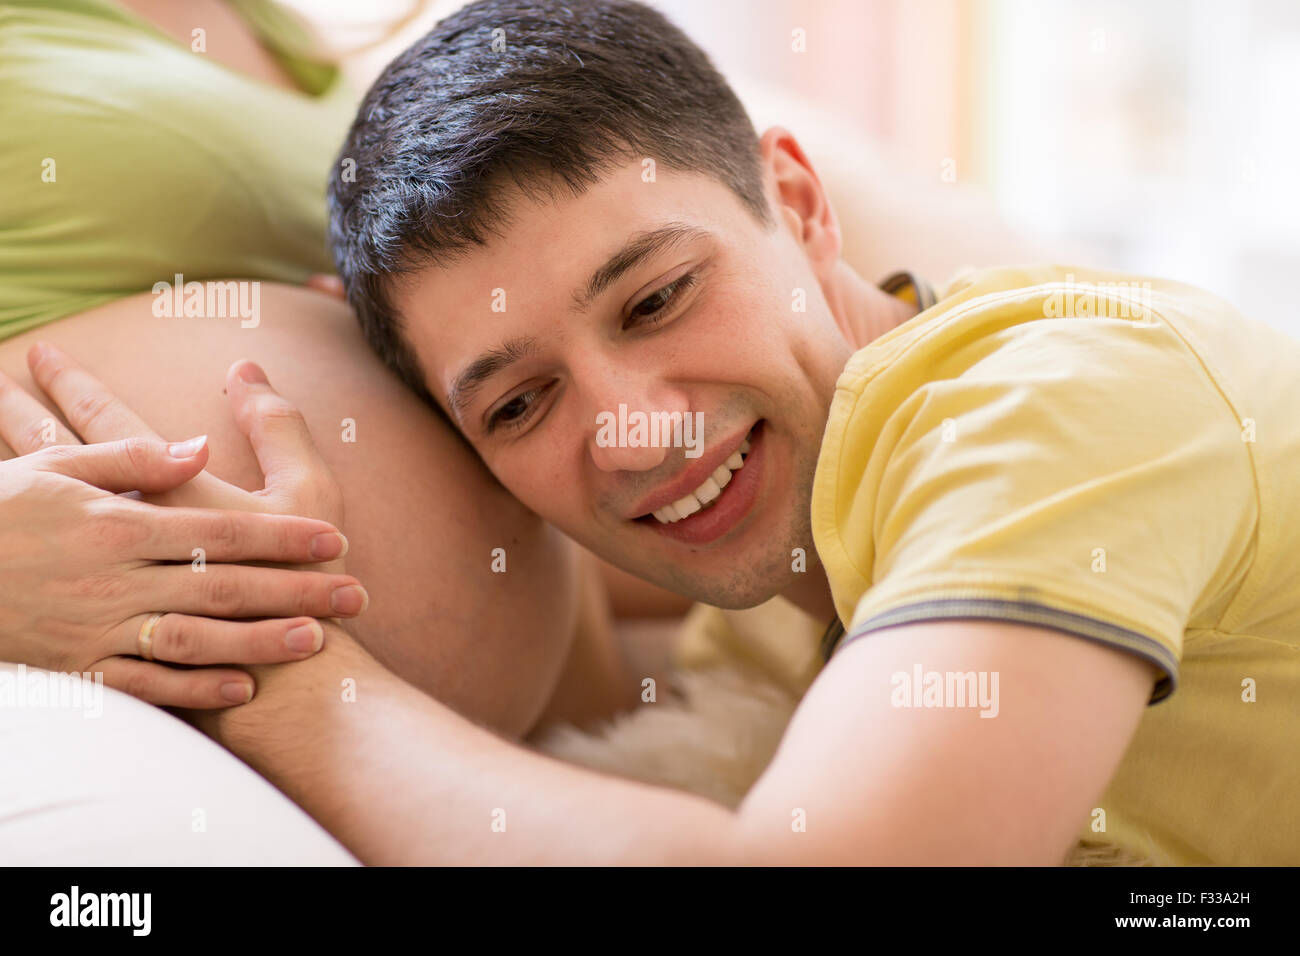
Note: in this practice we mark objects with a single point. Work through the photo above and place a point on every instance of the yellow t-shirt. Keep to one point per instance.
(1110, 456)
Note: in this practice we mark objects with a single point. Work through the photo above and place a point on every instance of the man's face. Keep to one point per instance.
(722, 318)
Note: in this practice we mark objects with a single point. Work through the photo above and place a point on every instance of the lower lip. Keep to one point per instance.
(732, 505)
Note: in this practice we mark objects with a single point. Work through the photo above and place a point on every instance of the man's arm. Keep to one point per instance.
(401, 779)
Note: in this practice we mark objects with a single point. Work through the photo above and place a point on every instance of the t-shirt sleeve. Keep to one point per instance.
(1094, 483)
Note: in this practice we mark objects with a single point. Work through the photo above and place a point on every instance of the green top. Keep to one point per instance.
(125, 158)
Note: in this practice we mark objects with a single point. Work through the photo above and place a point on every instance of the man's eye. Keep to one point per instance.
(515, 412)
(654, 307)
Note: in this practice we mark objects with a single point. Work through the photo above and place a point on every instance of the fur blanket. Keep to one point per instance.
(713, 734)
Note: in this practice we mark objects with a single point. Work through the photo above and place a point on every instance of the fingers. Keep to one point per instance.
(172, 534)
(132, 464)
(276, 429)
(188, 639)
(95, 413)
(202, 689)
(232, 590)
(25, 423)
(138, 461)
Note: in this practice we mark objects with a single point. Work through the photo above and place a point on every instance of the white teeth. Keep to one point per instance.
(744, 447)
(687, 506)
(667, 515)
(707, 493)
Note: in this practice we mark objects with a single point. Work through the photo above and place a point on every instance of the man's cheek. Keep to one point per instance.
(553, 501)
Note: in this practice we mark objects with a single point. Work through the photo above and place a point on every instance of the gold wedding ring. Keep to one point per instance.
(145, 640)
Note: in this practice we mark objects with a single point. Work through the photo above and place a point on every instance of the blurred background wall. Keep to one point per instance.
(1160, 136)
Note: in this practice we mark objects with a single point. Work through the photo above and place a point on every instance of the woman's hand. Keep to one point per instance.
(83, 570)
(297, 481)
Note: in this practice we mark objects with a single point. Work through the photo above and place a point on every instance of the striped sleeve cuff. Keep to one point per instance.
(1020, 612)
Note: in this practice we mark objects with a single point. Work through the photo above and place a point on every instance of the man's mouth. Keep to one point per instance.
(719, 502)
(704, 496)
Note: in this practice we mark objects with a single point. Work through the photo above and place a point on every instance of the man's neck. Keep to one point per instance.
(812, 594)
(864, 313)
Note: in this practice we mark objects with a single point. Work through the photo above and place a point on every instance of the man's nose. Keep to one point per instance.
(635, 435)
(610, 453)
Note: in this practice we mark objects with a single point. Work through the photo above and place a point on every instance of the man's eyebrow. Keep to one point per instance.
(468, 382)
(639, 247)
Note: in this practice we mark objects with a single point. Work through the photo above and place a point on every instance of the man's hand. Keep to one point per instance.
(82, 569)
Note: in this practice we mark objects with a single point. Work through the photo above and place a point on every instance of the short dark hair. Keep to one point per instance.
(580, 86)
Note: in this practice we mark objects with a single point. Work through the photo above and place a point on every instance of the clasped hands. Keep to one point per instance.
(97, 539)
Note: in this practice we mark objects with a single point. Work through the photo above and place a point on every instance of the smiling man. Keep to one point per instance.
(1041, 483)
(1042, 515)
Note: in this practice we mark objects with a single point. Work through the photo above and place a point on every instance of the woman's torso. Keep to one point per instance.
(129, 159)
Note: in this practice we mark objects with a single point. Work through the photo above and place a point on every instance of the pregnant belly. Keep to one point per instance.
(417, 500)
(166, 354)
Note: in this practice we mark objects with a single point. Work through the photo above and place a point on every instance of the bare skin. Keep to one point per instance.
(422, 513)
(227, 39)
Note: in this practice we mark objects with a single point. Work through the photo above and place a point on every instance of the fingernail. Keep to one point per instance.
(237, 692)
(350, 599)
(305, 637)
(252, 374)
(327, 545)
(187, 449)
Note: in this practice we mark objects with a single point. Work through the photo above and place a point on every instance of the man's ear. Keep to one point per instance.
(800, 202)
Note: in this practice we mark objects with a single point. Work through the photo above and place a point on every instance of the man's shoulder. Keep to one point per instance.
(992, 375)
(1036, 323)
